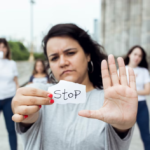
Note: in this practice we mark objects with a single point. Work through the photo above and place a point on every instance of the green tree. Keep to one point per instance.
(18, 50)
(39, 56)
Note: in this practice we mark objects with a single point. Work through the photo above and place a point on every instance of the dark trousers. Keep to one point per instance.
(5, 106)
(143, 123)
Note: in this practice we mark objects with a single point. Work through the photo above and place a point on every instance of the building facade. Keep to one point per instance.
(125, 23)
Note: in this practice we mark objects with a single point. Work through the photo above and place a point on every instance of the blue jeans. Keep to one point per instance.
(5, 106)
(143, 123)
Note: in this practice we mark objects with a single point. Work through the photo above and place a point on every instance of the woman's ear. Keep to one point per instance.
(88, 57)
(129, 55)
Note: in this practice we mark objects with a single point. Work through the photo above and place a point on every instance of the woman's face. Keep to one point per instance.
(39, 67)
(135, 57)
(3, 48)
(67, 59)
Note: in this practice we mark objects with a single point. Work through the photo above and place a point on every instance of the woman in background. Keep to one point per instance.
(39, 73)
(8, 86)
(136, 59)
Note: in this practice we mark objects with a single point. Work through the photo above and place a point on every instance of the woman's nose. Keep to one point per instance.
(63, 61)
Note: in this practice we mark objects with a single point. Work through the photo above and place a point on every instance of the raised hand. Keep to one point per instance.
(120, 98)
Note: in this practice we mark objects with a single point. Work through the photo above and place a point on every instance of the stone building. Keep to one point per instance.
(125, 23)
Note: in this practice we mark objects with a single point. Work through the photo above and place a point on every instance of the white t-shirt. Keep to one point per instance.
(142, 77)
(43, 80)
(8, 70)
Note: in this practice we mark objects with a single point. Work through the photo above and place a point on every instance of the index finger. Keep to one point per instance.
(29, 91)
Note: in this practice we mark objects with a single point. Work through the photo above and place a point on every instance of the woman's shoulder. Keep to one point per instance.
(143, 69)
(9, 61)
(12, 62)
(139, 69)
(96, 92)
(96, 95)
(37, 76)
(31, 77)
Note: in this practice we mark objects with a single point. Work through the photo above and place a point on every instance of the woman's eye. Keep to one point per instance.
(71, 53)
(54, 58)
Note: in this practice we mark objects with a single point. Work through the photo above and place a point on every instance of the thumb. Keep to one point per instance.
(95, 114)
(17, 118)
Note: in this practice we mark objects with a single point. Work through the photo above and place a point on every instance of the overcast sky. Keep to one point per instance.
(15, 16)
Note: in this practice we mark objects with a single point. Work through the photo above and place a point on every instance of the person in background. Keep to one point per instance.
(8, 86)
(39, 74)
(136, 59)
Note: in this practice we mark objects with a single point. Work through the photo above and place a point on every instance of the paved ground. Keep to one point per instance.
(25, 70)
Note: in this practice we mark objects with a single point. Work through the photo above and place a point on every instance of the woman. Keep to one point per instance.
(39, 73)
(74, 57)
(136, 59)
(8, 86)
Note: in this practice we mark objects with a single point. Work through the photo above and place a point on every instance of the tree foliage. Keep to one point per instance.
(20, 52)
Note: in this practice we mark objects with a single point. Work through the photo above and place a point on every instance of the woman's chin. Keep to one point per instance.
(70, 79)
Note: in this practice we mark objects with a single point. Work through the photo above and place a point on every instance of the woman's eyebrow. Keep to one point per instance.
(70, 49)
(52, 54)
(63, 51)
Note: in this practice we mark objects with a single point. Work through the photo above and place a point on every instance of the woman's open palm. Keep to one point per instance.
(120, 97)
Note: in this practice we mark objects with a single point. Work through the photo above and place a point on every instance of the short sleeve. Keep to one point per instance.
(15, 70)
(146, 76)
(32, 137)
(115, 142)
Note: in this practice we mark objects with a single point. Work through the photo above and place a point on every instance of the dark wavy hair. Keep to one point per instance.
(89, 46)
(4, 41)
(143, 62)
(44, 67)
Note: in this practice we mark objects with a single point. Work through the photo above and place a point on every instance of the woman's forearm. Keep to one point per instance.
(16, 81)
(143, 92)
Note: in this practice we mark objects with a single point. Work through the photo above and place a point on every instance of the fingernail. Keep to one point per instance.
(25, 116)
(40, 106)
(50, 95)
(51, 101)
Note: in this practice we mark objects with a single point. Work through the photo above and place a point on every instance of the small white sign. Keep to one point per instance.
(68, 92)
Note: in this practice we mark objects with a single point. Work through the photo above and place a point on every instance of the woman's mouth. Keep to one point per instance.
(66, 71)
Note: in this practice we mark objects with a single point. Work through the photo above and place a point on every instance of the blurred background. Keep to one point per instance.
(123, 24)
(116, 24)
